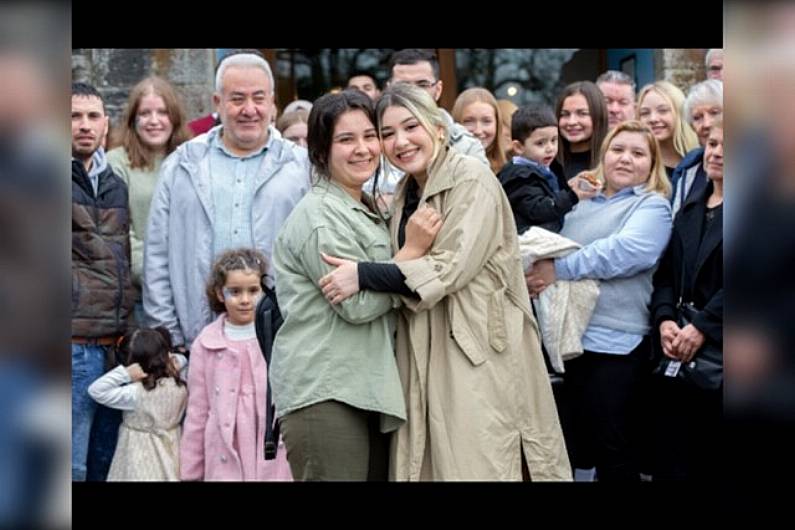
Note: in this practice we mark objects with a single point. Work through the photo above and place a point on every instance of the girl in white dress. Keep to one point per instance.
(151, 391)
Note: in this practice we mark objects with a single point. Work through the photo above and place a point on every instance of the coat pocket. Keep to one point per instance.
(462, 336)
(375, 242)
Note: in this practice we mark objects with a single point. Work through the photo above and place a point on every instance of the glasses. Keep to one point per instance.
(425, 84)
(422, 83)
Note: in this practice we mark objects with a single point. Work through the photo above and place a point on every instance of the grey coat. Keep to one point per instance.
(464, 141)
(178, 251)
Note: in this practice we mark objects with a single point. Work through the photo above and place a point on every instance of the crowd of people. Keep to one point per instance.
(497, 293)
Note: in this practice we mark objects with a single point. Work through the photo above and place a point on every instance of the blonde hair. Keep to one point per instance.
(422, 106)
(683, 136)
(658, 179)
(507, 108)
(494, 152)
(288, 119)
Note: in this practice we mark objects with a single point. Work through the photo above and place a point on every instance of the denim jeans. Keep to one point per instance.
(27, 450)
(139, 315)
(102, 443)
(88, 362)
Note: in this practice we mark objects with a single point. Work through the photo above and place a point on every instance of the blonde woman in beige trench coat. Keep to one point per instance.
(479, 402)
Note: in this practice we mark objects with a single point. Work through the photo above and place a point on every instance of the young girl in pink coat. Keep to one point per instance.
(224, 431)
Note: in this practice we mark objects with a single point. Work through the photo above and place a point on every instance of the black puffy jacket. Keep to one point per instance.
(102, 291)
(533, 201)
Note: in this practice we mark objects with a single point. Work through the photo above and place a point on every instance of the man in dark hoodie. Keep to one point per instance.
(102, 293)
(538, 196)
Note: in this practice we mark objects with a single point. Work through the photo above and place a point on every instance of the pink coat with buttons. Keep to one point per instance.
(206, 448)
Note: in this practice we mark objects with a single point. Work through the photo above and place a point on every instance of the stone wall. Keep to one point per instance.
(682, 67)
(115, 71)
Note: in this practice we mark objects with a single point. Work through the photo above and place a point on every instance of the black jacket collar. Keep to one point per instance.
(689, 225)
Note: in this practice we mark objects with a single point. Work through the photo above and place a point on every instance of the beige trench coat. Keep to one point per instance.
(468, 352)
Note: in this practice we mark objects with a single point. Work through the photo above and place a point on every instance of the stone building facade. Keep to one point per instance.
(682, 67)
(115, 71)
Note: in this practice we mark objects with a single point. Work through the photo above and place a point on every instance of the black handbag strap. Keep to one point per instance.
(267, 323)
(271, 426)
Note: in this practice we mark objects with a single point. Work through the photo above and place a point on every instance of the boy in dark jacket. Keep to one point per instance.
(538, 196)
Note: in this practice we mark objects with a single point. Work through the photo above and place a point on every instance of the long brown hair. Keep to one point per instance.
(139, 154)
(151, 349)
(598, 111)
(238, 259)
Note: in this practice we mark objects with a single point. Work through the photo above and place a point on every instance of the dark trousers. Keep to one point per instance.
(334, 441)
(688, 431)
(598, 415)
(102, 443)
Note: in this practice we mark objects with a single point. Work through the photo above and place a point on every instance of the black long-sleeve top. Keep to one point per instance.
(387, 277)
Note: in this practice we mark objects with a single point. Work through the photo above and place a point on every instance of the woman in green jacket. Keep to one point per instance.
(478, 399)
(333, 374)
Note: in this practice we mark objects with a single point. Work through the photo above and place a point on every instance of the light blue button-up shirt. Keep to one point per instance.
(608, 259)
(232, 179)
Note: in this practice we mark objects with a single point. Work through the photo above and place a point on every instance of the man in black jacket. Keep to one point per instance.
(102, 293)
